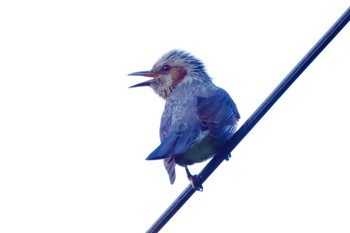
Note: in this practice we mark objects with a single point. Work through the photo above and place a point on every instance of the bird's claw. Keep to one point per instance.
(194, 181)
(228, 157)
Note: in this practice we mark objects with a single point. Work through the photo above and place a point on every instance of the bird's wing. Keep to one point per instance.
(177, 142)
(219, 114)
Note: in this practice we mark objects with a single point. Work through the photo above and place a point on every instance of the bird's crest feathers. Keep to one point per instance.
(177, 57)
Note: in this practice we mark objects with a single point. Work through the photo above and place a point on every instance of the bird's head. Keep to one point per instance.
(170, 70)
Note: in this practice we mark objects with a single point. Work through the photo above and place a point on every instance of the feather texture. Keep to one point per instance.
(219, 114)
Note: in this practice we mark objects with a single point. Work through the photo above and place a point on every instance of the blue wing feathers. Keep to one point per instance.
(176, 143)
(219, 114)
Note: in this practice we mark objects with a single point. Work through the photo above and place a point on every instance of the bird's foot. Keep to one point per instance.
(228, 157)
(194, 181)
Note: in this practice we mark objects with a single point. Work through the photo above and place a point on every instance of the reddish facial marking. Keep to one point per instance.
(177, 75)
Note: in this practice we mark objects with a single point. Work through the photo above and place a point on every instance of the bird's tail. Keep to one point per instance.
(169, 164)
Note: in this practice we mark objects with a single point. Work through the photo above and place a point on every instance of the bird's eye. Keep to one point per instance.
(166, 68)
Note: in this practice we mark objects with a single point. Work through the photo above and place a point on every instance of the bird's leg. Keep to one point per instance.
(193, 180)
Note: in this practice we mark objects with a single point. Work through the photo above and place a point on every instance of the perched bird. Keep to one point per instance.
(198, 116)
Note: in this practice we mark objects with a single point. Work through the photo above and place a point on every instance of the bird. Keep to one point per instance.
(198, 117)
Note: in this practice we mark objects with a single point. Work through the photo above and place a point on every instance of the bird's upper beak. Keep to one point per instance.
(146, 74)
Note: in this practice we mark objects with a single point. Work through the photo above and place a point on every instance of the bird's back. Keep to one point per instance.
(195, 122)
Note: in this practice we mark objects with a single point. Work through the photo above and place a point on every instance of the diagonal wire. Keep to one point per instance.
(252, 120)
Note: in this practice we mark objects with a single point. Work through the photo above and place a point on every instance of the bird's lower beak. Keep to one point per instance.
(146, 74)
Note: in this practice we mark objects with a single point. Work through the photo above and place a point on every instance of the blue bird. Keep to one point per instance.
(198, 116)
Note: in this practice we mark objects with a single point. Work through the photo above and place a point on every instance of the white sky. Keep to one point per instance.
(74, 138)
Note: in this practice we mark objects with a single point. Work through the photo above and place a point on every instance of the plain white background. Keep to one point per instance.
(74, 138)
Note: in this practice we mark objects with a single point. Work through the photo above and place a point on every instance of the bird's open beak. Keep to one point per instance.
(146, 74)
